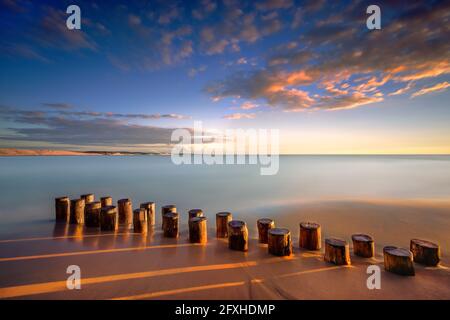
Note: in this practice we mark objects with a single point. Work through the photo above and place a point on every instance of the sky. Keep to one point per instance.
(312, 69)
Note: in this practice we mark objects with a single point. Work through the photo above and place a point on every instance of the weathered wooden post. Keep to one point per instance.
(222, 219)
(363, 245)
(425, 252)
(77, 211)
(109, 218)
(88, 197)
(166, 209)
(198, 230)
(62, 209)
(337, 251)
(150, 211)
(92, 214)
(170, 224)
(310, 236)
(125, 212)
(398, 260)
(195, 213)
(279, 242)
(106, 201)
(264, 225)
(140, 220)
(237, 235)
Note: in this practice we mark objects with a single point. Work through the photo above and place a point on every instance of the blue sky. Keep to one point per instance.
(138, 69)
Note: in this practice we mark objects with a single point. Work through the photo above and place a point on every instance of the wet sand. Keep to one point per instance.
(131, 266)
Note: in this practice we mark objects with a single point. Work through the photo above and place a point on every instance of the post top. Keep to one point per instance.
(197, 219)
(94, 205)
(109, 209)
(399, 252)
(173, 215)
(125, 200)
(147, 204)
(77, 201)
(86, 195)
(309, 225)
(138, 210)
(279, 231)
(362, 237)
(105, 197)
(195, 211)
(265, 221)
(425, 243)
(236, 224)
(223, 214)
(335, 242)
(64, 198)
(169, 206)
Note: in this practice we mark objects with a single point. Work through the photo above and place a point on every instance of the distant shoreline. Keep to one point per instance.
(7, 152)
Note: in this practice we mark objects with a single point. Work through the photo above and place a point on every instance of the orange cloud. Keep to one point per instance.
(436, 88)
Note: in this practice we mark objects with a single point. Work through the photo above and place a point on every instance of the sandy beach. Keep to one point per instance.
(126, 265)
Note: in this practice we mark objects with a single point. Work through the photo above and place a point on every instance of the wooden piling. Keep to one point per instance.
(279, 242)
(425, 252)
(310, 236)
(106, 201)
(109, 218)
(170, 224)
(198, 230)
(150, 212)
(125, 212)
(88, 197)
(363, 245)
(264, 225)
(77, 211)
(140, 220)
(195, 213)
(166, 209)
(337, 251)
(222, 219)
(62, 209)
(398, 260)
(237, 235)
(92, 214)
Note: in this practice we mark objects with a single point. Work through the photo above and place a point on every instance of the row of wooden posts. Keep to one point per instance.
(102, 214)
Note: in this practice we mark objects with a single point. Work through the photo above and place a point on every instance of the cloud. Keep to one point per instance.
(248, 105)
(83, 128)
(436, 88)
(273, 4)
(402, 90)
(347, 66)
(195, 71)
(238, 116)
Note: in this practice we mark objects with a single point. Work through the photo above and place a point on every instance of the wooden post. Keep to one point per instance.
(77, 211)
(125, 212)
(363, 245)
(195, 213)
(166, 209)
(279, 242)
(237, 235)
(222, 219)
(264, 225)
(109, 219)
(92, 214)
(425, 252)
(150, 212)
(106, 201)
(62, 209)
(140, 220)
(170, 224)
(198, 230)
(398, 260)
(88, 198)
(310, 236)
(337, 251)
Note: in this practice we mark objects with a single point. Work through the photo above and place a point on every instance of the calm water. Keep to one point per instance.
(28, 185)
